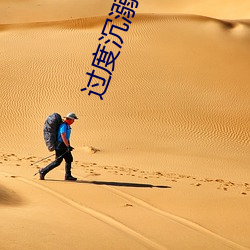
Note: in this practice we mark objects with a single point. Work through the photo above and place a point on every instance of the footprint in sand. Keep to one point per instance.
(128, 205)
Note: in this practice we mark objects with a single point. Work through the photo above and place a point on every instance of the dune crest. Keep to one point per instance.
(93, 22)
(49, 10)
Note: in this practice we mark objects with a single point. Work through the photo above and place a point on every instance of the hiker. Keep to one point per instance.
(63, 149)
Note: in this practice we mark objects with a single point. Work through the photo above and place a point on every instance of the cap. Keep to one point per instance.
(71, 116)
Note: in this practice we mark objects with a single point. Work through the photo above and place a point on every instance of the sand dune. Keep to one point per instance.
(37, 11)
(162, 161)
(198, 110)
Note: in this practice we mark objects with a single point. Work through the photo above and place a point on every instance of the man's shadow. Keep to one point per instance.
(122, 184)
(113, 183)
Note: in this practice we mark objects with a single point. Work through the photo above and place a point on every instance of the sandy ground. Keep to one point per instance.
(162, 161)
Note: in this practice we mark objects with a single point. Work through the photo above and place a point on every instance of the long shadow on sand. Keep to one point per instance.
(122, 184)
(114, 183)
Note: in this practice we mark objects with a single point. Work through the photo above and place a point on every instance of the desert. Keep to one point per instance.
(162, 161)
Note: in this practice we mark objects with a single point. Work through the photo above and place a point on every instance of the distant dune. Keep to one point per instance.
(14, 11)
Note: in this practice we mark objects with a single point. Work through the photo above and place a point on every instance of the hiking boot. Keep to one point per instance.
(41, 175)
(70, 178)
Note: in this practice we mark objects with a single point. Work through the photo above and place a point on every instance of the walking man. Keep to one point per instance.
(63, 150)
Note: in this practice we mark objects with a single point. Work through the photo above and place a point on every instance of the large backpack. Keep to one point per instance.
(50, 130)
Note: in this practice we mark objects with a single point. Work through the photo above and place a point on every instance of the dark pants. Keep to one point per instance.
(67, 156)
